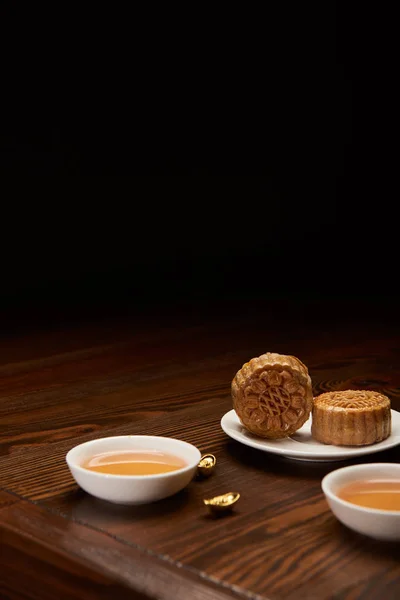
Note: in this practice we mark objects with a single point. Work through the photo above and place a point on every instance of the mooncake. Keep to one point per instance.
(351, 418)
(272, 395)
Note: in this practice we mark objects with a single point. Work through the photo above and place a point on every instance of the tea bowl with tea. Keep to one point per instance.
(366, 498)
(133, 469)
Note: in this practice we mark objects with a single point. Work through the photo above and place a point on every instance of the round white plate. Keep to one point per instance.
(302, 446)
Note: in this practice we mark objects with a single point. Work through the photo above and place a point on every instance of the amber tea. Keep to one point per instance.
(382, 494)
(134, 462)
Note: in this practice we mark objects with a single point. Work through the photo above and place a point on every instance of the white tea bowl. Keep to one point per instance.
(372, 522)
(133, 489)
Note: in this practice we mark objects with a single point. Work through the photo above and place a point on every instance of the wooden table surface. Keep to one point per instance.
(171, 376)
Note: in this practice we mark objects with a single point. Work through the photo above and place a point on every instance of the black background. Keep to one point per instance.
(174, 162)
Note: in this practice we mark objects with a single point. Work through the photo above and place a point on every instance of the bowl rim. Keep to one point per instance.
(87, 472)
(355, 468)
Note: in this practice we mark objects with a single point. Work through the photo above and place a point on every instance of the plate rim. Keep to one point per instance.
(341, 453)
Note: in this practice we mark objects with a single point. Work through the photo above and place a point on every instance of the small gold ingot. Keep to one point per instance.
(222, 504)
(206, 465)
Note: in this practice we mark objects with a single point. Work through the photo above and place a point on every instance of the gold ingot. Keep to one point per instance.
(222, 504)
(206, 465)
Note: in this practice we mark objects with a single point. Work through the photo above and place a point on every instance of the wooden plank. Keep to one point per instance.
(44, 557)
(6, 499)
(63, 395)
(256, 549)
(280, 541)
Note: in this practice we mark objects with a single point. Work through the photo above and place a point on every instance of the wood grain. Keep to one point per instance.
(281, 503)
(281, 540)
(6, 499)
(49, 556)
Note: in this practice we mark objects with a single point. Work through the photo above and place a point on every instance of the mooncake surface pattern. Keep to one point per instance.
(272, 395)
(351, 418)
